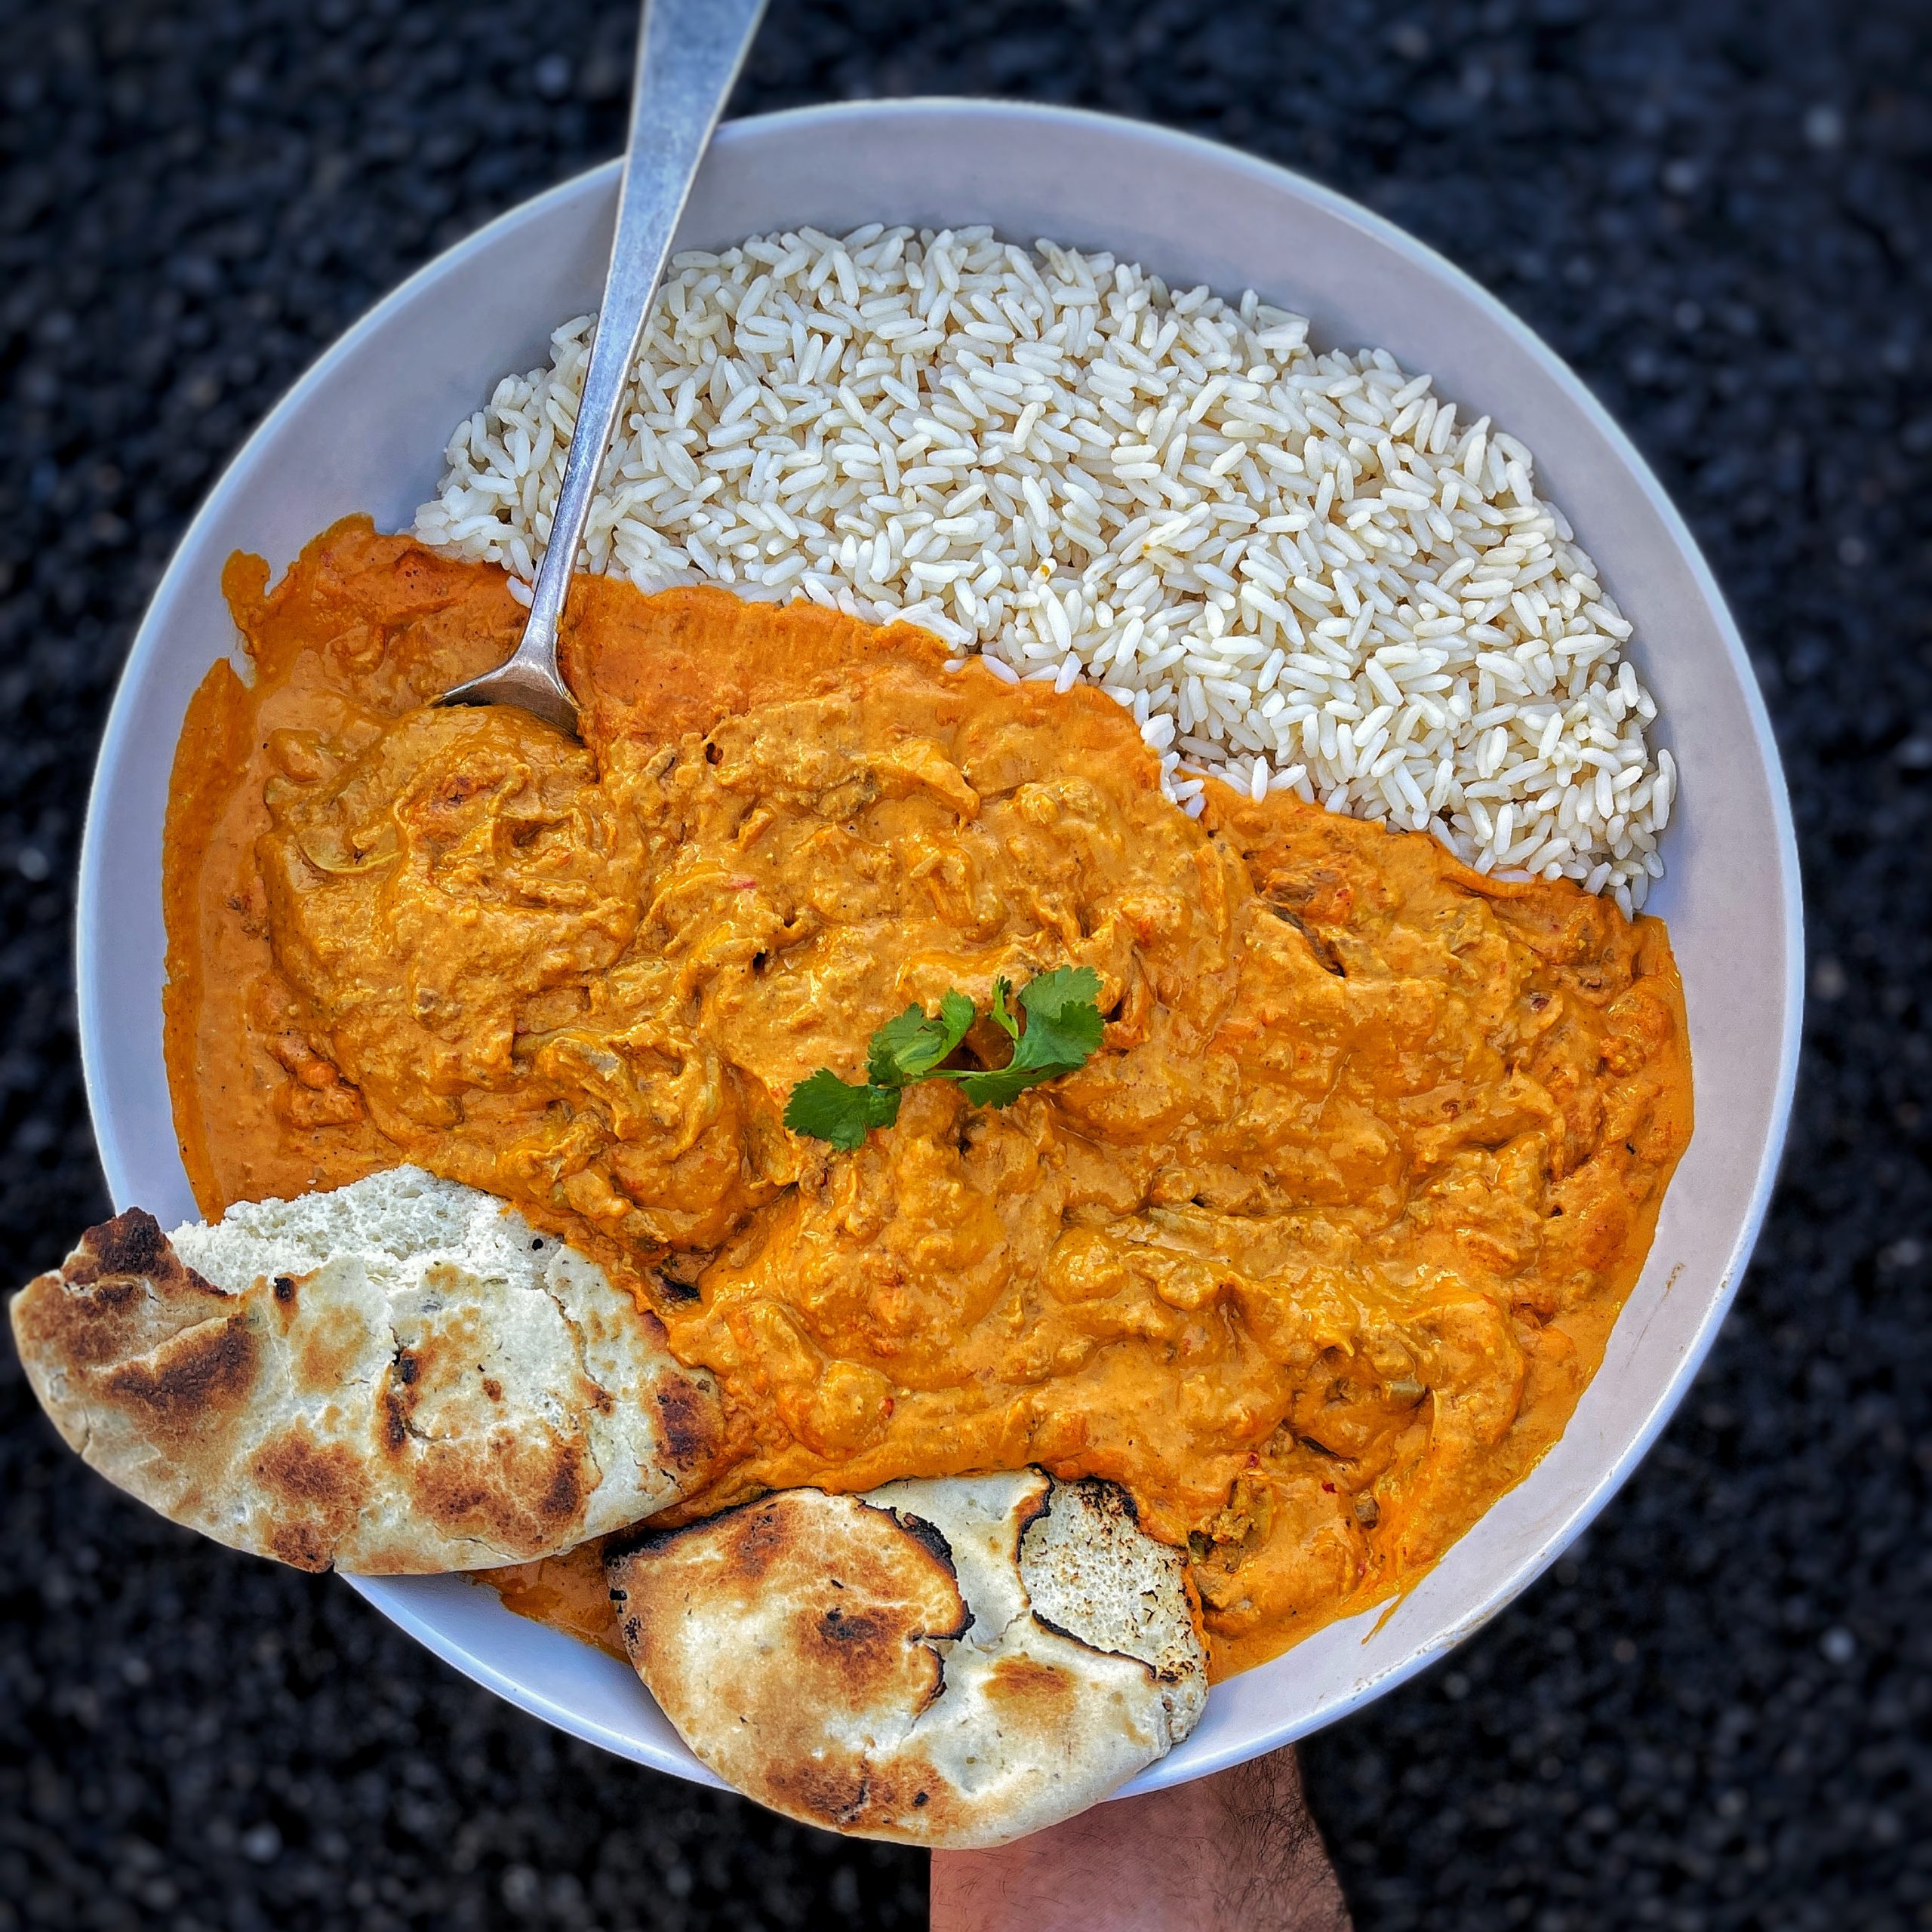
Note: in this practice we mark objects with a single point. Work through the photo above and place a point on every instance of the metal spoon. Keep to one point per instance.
(688, 55)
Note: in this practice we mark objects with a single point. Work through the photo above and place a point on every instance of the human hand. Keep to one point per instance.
(1239, 1849)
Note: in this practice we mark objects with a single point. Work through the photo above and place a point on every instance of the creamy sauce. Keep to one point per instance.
(1315, 1256)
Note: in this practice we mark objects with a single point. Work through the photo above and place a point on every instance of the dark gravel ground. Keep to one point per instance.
(1717, 1713)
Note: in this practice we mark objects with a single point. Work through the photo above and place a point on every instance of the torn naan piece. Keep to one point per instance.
(397, 1377)
(955, 1661)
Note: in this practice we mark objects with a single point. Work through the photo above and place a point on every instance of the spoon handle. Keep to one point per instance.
(689, 53)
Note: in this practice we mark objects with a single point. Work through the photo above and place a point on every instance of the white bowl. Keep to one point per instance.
(364, 430)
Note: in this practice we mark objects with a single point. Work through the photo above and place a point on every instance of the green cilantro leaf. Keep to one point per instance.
(1063, 1014)
(1063, 1028)
(830, 1109)
(910, 1046)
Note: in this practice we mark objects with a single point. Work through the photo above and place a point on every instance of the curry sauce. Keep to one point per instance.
(1314, 1256)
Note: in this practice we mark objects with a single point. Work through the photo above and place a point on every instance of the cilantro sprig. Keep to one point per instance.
(1061, 1031)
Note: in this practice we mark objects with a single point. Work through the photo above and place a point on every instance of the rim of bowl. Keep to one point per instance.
(95, 1023)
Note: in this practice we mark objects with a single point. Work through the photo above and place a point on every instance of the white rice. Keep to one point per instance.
(1298, 570)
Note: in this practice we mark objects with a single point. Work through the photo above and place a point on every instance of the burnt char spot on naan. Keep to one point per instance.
(193, 1382)
(319, 1489)
(492, 1488)
(130, 1244)
(1043, 1691)
(690, 1423)
(126, 1291)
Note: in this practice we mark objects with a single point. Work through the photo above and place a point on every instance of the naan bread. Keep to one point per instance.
(954, 1663)
(397, 1377)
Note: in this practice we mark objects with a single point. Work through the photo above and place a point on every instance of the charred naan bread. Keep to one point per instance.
(399, 1376)
(954, 1663)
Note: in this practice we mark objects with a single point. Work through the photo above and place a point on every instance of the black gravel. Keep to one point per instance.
(1716, 1715)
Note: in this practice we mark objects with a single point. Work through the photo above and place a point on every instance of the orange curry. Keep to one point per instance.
(1315, 1255)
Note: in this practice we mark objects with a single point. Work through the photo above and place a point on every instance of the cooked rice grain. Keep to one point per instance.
(1300, 571)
